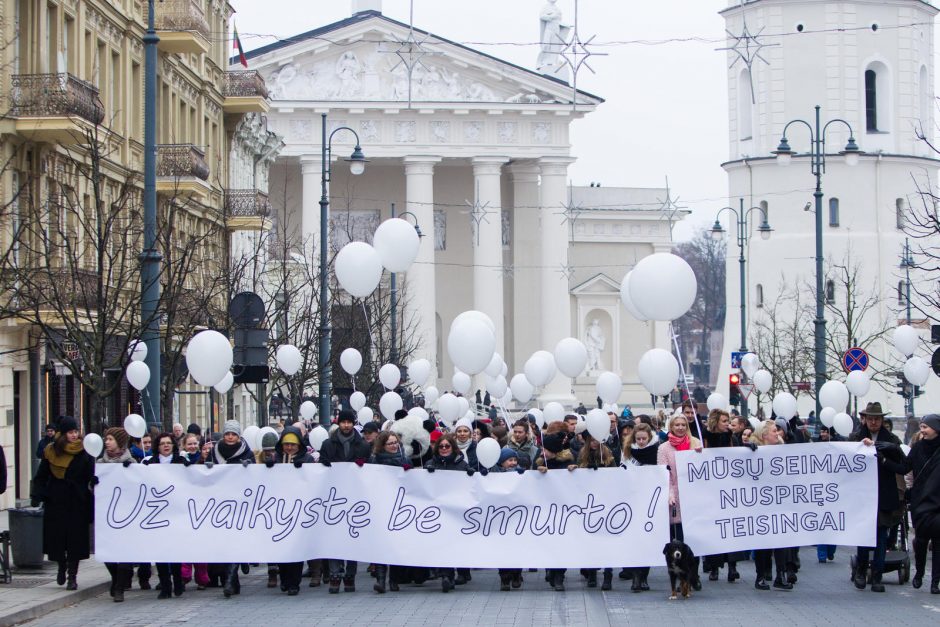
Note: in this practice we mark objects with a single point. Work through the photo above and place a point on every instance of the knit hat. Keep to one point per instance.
(464, 422)
(555, 442)
(269, 441)
(346, 416)
(506, 453)
(483, 427)
(194, 429)
(932, 421)
(782, 425)
(370, 427)
(120, 436)
(232, 426)
(66, 424)
(401, 413)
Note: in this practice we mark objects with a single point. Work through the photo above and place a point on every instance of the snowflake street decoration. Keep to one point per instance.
(508, 271)
(410, 51)
(566, 271)
(670, 208)
(575, 54)
(478, 215)
(747, 47)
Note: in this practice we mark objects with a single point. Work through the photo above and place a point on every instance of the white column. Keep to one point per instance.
(525, 260)
(311, 170)
(488, 242)
(555, 299)
(421, 289)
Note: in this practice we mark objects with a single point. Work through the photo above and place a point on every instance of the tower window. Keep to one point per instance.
(833, 212)
(871, 101)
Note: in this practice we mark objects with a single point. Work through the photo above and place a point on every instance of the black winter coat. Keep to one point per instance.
(924, 460)
(241, 454)
(454, 461)
(332, 449)
(387, 459)
(890, 464)
(176, 459)
(68, 508)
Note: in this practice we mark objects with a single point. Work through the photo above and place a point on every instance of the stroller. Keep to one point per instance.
(898, 559)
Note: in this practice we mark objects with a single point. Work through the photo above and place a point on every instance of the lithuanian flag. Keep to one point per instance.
(237, 45)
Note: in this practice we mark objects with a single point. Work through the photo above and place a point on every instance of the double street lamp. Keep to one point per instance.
(817, 154)
(743, 235)
(907, 262)
(357, 165)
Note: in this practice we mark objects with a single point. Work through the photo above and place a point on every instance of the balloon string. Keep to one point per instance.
(685, 381)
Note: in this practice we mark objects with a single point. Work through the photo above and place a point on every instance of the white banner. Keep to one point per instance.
(735, 499)
(560, 519)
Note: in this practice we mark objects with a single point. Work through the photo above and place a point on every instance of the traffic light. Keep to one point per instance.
(734, 392)
(905, 389)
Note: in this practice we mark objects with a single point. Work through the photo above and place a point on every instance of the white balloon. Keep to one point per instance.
(662, 286)
(659, 371)
(318, 435)
(763, 381)
(506, 397)
(390, 376)
(750, 363)
(843, 424)
(504, 370)
(916, 371)
(420, 412)
(540, 368)
(495, 366)
(611, 408)
(609, 386)
(463, 405)
(208, 357)
(487, 452)
(716, 400)
(521, 389)
(460, 382)
(539, 416)
(308, 409)
(474, 315)
(858, 383)
(448, 407)
(135, 425)
(357, 400)
(554, 411)
(358, 268)
(431, 394)
(223, 386)
(571, 357)
(627, 300)
(597, 423)
(137, 350)
(784, 405)
(288, 359)
(396, 241)
(469, 415)
(755, 424)
(138, 374)
(364, 415)
(581, 426)
(471, 346)
(826, 415)
(389, 404)
(418, 371)
(93, 444)
(834, 394)
(351, 360)
(252, 437)
(496, 387)
(905, 340)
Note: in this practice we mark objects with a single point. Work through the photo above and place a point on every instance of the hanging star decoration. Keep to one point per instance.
(747, 48)
(410, 52)
(670, 208)
(478, 215)
(575, 54)
(566, 270)
(570, 213)
(508, 271)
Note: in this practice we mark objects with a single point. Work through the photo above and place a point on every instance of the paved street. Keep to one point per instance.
(823, 596)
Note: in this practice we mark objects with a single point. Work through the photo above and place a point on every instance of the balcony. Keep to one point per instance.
(244, 92)
(247, 203)
(182, 27)
(182, 170)
(55, 108)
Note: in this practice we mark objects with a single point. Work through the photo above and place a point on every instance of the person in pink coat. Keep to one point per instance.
(678, 439)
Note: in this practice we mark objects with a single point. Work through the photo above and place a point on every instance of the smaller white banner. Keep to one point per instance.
(735, 499)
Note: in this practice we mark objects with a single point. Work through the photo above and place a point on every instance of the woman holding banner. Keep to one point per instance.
(764, 559)
(639, 449)
(556, 454)
(447, 457)
(386, 451)
(718, 434)
(290, 450)
(595, 455)
(677, 439)
(116, 451)
(924, 461)
(170, 575)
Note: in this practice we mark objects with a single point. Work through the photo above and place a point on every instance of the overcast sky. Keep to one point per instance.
(665, 112)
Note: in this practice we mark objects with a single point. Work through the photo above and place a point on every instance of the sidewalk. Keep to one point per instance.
(34, 592)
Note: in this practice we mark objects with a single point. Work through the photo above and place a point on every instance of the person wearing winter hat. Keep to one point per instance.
(386, 451)
(170, 575)
(189, 450)
(509, 462)
(467, 448)
(62, 485)
(523, 444)
(447, 457)
(594, 455)
(115, 452)
(639, 449)
(194, 429)
(555, 455)
(288, 449)
(370, 432)
(344, 445)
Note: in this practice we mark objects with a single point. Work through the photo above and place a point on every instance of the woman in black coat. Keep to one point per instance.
(63, 484)
(386, 451)
(170, 575)
(924, 461)
(290, 449)
(447, 457)
(718, 434)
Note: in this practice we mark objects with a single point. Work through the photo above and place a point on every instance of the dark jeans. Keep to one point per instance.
(878, 561)
(342, 570)
(291, 575)
(121, 574)
(765, 559)
(171, 577)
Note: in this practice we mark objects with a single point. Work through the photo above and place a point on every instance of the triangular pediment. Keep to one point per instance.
(363, 59)
(597, 284)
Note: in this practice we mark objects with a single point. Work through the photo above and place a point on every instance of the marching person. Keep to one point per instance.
(639, 449)
(556, 455)
(115, 452)
(718, 434)
(170, 575)
(344, 445)
(523, 444)
(63, 485)
(290, 450)
(595, 455)
(924, 462)
(463, 434)
(769, 434)
(386, 452)
(447, 457)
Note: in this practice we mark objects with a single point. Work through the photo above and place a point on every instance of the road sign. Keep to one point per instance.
(746, 389)
(736, 359)
(855, 359)
(935, 362)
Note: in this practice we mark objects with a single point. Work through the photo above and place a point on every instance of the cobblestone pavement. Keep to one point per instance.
(823, 596)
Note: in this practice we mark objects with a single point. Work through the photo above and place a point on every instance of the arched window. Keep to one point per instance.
(899, 210)
(745, 106)
(833, 212)
(830, 292)
(760, 295)
(877, 98)
(871, 101)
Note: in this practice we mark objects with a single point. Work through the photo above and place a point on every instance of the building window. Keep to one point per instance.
(833, 212)
(830, 292)
(760, 295)
(899, 210)
(745, 106)
(871, 101)
(877, 98)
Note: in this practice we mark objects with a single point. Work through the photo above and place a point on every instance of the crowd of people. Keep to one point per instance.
(908, 483)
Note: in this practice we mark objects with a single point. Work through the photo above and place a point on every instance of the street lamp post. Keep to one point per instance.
(357, 164)
(906, 262)
(817, 154)
(393, 297)
(150, 257)
(743, 235)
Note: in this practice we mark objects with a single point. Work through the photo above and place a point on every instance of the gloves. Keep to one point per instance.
(470, 472)
(415, 448)
(408, 467)
(127, 463)
(429, 468)
(325, 462)
(594, 467)
(751, 446)
(360, 462)
(298, 463)
(484, 471)
(245, 463)
(185, 462)
(269, 463)
(209, 465)
(94, 480)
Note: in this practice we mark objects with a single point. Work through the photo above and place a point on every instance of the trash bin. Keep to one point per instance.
(26, 536)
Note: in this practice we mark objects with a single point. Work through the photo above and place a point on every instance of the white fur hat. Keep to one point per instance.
(464, 422)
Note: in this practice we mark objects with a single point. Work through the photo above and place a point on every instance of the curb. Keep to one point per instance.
(47, 607)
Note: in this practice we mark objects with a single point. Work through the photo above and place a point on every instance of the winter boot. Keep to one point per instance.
(334, 585)
(876, 585)
(591, 578)
(644, 586)
(272, 576)
(316, 572)
(935, 585)
(463, 576)
(781, 582)
(231, 584)
(60, 576)
(861, 575)
(504, 582)
(379, 572)
(635, 586)
(558, 581)
(733, 574)
(349, 584)
(447, 584)
(713, 574)
(608, 579)
(72, 573)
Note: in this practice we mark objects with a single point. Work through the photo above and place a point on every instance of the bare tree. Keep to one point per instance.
(707, 258)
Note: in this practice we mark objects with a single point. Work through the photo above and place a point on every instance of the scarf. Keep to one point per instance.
(118, 457)
(464, 446)
(680, 444)
(645, 456)
(346, 441)
(226, 452)
(58, 464)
